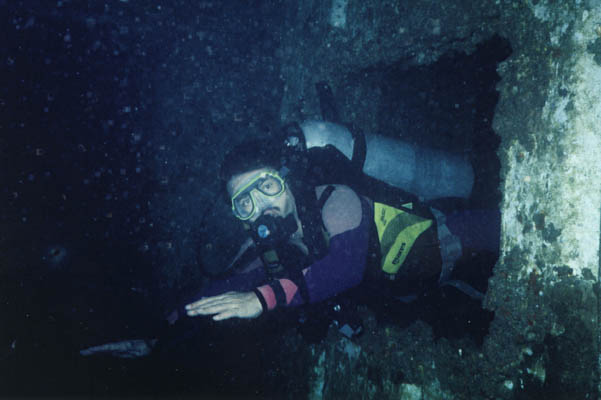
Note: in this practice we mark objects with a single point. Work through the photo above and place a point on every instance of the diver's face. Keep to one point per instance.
(281, 205)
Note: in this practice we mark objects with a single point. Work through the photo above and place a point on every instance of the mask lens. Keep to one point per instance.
(245, 202)
(243, 205)
(270, 186)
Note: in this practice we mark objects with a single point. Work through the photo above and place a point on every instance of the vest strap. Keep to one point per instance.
(278, 291)
(325, 195)
(359, 148)
(450, 246)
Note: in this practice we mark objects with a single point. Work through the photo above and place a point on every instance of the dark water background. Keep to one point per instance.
(114, 117)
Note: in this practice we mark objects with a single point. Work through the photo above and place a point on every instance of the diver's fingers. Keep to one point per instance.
(216, 306)
(225, 315)
(197, 303)
(207, 300)
(234, 304)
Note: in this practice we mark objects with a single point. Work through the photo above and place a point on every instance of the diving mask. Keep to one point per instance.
(257, 194)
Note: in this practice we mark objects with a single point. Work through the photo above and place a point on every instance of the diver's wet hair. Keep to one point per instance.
(249, 155)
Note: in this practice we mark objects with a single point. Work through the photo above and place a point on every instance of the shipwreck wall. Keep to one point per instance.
(544, 290)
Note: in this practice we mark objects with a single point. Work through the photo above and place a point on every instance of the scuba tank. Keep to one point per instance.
(427, 173)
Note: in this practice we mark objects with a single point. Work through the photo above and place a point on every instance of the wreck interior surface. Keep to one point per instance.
(117, 118)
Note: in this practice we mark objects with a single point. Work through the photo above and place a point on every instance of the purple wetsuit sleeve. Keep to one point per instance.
(341, 269)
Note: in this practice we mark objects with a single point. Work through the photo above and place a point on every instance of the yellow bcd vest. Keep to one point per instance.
(397, 232)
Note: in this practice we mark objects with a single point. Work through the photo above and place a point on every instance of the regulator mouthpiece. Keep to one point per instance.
(263, 231)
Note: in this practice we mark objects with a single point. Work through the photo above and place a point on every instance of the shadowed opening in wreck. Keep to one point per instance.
(449, 105)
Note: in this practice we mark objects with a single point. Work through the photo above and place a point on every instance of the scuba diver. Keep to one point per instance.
(329, 209)
(322, 221)
(314, 237)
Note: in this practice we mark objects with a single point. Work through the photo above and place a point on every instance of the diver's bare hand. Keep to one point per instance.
(227, 305)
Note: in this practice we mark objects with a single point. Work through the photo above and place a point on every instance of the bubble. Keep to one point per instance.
(90, 22)
(30, 22)
(55, 256)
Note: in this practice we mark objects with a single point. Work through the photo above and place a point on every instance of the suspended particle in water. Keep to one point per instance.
(55, 256)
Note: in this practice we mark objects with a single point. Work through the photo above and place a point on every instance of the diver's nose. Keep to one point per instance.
(262, 203)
